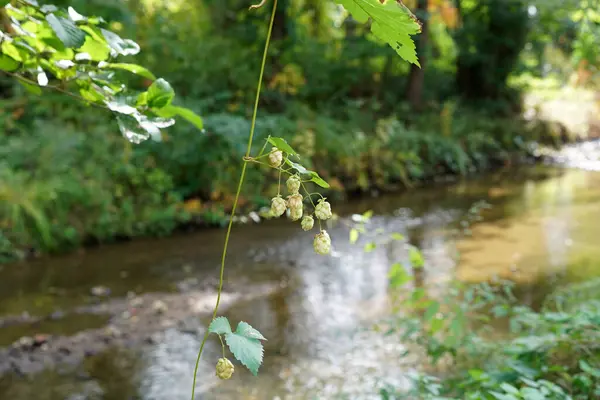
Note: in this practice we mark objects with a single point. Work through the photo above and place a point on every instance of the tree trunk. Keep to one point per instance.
(416, 78)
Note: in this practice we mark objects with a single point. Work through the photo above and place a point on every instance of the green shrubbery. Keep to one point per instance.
(71, 178)
(483, 344)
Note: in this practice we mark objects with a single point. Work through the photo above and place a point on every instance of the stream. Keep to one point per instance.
(540, 230)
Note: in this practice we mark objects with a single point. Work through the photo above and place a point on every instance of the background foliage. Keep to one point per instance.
(362, 117)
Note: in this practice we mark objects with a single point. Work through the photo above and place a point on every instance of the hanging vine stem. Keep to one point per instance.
(237, 194)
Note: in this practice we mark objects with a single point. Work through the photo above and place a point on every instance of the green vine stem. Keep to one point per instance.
(237, 195)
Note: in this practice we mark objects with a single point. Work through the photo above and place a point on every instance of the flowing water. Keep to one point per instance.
(541, 230)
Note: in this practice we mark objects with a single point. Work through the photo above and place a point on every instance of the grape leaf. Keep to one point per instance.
(220, 326)
(246, 350)
(392, 22)
(248, 331)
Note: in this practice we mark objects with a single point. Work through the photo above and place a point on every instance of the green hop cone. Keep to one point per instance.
(295, 201)
(224, 368)
(322, 243)
(293, 184)
(323, 210)
(307, 223)
(275, 157)
(295, 213)
(278, 206)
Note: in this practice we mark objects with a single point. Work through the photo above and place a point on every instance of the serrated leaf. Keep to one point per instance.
(220, 326)
(160, 94)
(66, 31)
(246, 350)
(314, 177)
(353, 235)
(282, 145)
(133, 68)
(392, 23)
(246, 330)
(8, 63)
(172, 111)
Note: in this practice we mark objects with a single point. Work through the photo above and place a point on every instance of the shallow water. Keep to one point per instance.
(541, 230)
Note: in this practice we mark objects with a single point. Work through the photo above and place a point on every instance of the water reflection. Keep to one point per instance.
(540, 229)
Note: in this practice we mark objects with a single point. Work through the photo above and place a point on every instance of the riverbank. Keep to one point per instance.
(316, 312)
(67, 188)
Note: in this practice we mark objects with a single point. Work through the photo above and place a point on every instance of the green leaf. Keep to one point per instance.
(282, 145)
(220, 326)
(98, 50)
(391, 22)
(124, 47)
(508, 388)
(4, 2)
(133, 68)
(397, 236)
(431, 311)
(369, 247)
(66, 30)
(532, 394)
(500, 396)
(398, 275)
(31, 88)
(353, 236)
(185, 113)
(246, 350)
(595, 372)
(246, 330)
(436, 325)
(314, 177)
(160, 94)
(416, 258)
(9, 49)
(8, 63)
(318, 180)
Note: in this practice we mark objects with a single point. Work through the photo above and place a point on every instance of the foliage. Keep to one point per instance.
(545, 354)
(244, 343)
(392, 22)
(44, 46)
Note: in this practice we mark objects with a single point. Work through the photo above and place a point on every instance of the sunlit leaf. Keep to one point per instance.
(282, 145)
(172, 111)
(416, 258)
(398, 275)
(66, 30)
(369, 247)
(160, 94)
(353, 236)
(125, 47)
(133, 68)
(391, 22)
(8, 63)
